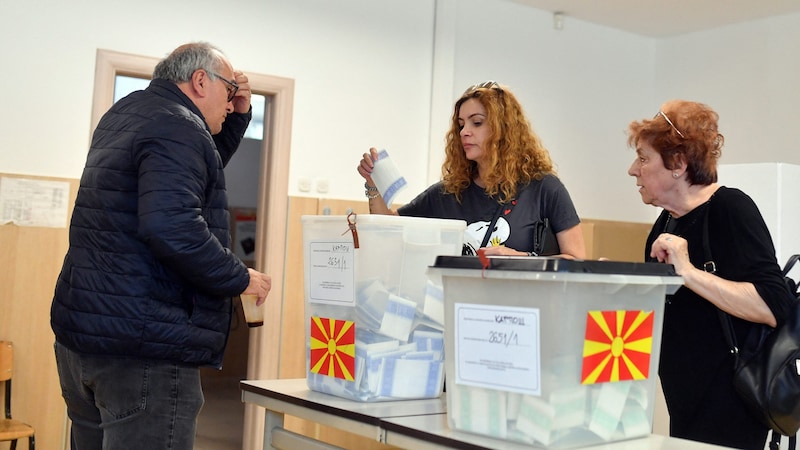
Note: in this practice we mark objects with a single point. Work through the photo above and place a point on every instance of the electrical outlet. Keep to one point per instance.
(304, 184)
(322, 185)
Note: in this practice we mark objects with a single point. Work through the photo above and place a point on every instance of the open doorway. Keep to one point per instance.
(260, 171)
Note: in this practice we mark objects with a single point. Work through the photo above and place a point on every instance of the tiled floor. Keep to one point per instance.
(219, 426)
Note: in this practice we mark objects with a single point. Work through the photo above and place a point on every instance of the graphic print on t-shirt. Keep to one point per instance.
(475, 232)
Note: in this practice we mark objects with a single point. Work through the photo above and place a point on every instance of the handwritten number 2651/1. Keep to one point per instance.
(337, 263)
(506, 339)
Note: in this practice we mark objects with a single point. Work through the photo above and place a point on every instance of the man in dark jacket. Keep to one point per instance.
(144, 296)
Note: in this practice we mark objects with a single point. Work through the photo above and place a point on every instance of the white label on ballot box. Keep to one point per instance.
(497, 347)
(332, 273)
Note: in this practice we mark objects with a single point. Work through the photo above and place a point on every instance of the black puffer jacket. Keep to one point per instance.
(148, 273)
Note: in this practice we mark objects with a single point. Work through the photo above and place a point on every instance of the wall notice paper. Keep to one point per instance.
(387, 177)
(331, 272)
(33, 203)
(497, 347)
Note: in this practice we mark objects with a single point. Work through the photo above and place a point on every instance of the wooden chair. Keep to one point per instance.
(10, 429)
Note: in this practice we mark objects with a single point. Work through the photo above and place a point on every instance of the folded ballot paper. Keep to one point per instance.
(398, 351)
(565, 418)
(375, 318)
(387, 369)
(387, 177)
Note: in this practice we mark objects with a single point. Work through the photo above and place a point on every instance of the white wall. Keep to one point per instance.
(364, 73)
(580, 86)
(775, 188)
(748, 73)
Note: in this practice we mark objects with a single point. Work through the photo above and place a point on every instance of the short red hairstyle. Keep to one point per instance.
(686, 131)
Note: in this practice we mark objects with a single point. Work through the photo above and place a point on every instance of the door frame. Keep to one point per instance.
(273, 201)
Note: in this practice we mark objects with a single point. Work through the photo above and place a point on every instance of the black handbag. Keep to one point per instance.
(545, 242)
(768, 377)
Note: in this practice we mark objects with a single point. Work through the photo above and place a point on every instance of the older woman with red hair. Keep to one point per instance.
(676, 170)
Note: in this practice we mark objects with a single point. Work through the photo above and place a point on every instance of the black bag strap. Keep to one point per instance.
(711, 267)
(727, 324)
(492, 224)
(790, 282)
(541, 229)
(775, 441)
(790, 264)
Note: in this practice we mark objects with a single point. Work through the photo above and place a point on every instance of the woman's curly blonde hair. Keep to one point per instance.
(514, 153)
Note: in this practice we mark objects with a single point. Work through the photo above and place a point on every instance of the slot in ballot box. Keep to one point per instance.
(552, 352)
(374, 321)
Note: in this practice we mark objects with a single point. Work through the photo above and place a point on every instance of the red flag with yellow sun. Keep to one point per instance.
(617, 346)
(333, 348)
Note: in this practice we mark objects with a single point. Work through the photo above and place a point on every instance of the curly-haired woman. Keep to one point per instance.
(498, 177)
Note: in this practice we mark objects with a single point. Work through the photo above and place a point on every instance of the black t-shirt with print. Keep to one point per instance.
(546, 198)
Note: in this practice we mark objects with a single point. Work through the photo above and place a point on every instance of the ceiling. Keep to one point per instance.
(664, 18)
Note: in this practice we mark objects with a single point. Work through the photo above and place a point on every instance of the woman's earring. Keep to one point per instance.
(675, 175)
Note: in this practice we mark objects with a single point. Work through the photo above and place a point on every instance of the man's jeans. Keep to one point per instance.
(118, 403)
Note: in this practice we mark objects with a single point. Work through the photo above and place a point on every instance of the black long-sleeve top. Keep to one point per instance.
(696, 366)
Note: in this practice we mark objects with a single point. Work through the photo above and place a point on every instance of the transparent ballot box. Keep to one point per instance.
(374, 320)
(552, 352)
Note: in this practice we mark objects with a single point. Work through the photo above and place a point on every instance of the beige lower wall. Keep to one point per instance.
(30, 261)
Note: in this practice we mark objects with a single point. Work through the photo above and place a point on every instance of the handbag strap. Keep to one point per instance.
(711, 267)
(730, 337)
(540, 236)
(492, 224)
(775, 441)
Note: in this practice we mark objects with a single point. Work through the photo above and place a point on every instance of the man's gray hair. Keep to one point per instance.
(179, 66)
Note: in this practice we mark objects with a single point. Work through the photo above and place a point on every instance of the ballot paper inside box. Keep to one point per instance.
(553, 353)
(374, 319)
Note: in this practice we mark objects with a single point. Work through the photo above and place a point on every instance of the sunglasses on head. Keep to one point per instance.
(485, 85)
(661, 113)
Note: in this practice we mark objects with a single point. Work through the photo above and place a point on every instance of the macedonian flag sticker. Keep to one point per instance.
(617, 346)
(333, 347)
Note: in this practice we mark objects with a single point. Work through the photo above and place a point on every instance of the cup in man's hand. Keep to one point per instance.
(254, 315)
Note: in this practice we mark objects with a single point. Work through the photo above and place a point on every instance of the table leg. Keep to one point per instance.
(272, 419)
